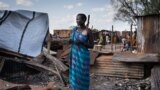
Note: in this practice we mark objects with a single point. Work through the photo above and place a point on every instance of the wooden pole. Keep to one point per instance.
(1, 64)
(49, 43)
(88, 21)
(112, 39)
(131, 36)
(115, 41)
(53, 59)
(31, 64)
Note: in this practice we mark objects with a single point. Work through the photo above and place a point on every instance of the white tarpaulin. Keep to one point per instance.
(23, 31)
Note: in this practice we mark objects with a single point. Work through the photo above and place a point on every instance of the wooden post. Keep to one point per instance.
(88, 21)
(49, 43)
(115, 41)
(131, 36)
(115, 47)
(112, 39)
(1, 64)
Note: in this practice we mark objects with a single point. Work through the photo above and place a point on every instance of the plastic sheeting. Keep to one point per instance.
(23, 31)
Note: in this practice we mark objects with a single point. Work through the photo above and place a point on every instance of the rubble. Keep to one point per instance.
(114, 83)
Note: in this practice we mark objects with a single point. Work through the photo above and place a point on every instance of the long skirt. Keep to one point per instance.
(79, 68)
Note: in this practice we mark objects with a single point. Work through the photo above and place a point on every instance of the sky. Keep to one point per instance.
(62, 13)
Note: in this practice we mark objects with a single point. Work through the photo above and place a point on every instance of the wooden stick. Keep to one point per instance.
(14, 54)
(131, 37)
(49, 43)
(60, 75)
(60, 65)
(1, 64)
(32, 64)
(112, 39)
(88, 21)
(38, 67)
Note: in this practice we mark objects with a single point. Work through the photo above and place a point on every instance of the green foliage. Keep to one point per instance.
(126, 9)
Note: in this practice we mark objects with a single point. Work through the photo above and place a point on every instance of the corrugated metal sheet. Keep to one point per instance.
(148, 33)
(105, 66)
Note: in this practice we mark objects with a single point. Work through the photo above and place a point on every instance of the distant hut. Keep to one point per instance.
(62, 33)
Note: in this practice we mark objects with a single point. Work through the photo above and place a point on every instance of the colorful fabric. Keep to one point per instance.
(79, 63)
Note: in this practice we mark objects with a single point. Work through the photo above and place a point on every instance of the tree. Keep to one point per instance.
(126, 9)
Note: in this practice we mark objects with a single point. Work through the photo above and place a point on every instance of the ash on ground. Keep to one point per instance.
(98, 82)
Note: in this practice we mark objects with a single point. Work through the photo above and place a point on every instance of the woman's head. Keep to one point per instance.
(81, 19)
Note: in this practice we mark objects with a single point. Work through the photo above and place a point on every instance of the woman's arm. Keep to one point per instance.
(90, 42)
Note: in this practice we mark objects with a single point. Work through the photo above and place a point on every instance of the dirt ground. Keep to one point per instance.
(114, 83)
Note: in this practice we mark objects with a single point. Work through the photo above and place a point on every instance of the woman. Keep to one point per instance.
(81, 39)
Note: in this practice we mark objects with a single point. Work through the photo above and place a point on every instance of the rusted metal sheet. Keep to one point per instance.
(131, 57)
(105, 66)
(93, 56)
(149, 34)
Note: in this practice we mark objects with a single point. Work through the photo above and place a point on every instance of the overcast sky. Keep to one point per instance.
(62, 13)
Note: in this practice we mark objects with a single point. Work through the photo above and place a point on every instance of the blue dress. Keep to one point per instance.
(79, 63)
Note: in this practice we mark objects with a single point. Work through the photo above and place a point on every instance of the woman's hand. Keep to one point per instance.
(78, 42)
(70, 41)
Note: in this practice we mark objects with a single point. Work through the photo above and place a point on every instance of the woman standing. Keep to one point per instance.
(81, 39)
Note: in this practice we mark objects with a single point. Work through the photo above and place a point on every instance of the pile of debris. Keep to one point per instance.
(29, 72)
(115, 83)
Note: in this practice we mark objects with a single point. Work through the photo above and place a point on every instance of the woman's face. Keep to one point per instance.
(80, 21)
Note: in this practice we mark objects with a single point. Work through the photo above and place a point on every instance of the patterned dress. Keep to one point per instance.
(79, 62)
